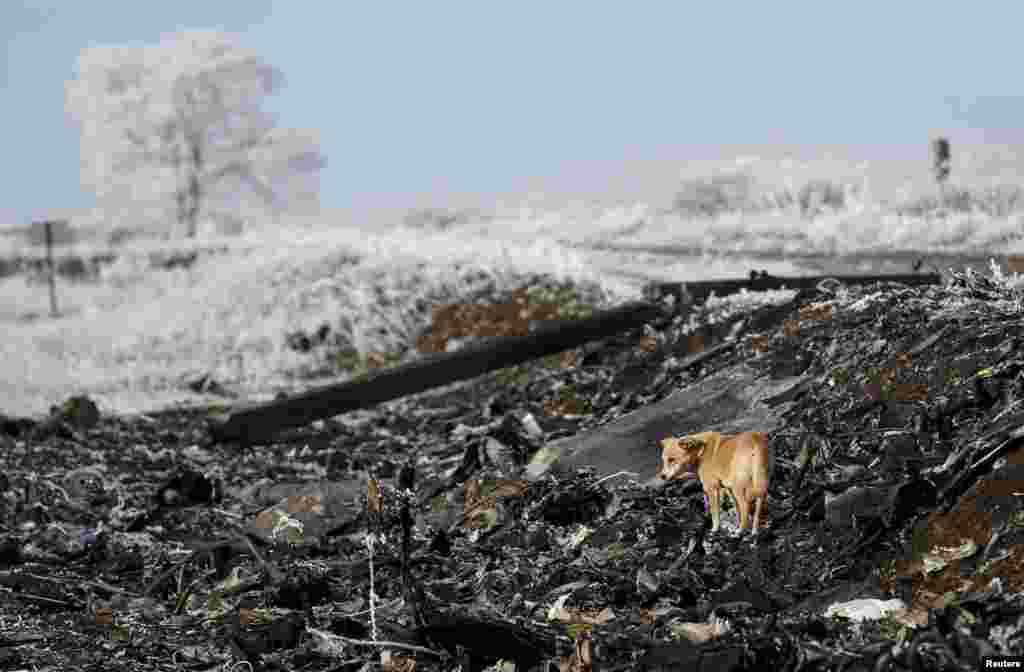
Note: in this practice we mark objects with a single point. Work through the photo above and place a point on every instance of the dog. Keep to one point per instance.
(741, 464)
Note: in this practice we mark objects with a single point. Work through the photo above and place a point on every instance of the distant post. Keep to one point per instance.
(49, 265)
(941, 161)
(50, 232)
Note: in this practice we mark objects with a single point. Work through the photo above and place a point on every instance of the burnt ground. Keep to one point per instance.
(412, 535)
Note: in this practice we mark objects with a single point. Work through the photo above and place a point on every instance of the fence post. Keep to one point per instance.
(941, 162)
(48, 225)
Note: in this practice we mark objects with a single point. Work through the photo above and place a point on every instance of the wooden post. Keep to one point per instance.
(687, 293)
(259, 422)
(50, 267)
(941, 162)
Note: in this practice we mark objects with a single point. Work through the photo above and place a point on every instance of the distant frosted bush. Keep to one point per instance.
(121, 235)
(127, 269)
(715, 195)
(820, 196)
(437, 220)
(998, 201)
(742, 192)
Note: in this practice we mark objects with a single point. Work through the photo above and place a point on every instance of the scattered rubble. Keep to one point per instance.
(511, 518)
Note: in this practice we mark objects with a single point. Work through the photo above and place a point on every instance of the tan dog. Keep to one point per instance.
(741, 464)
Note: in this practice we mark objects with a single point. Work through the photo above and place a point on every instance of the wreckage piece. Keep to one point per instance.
(258, 422)
(485, 639)
(688, 293)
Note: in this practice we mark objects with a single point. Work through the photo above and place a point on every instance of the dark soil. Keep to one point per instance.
(136, 543)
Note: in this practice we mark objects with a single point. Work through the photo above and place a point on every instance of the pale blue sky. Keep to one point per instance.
(425, 99)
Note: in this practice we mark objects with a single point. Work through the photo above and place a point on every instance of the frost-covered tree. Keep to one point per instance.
(177, 128)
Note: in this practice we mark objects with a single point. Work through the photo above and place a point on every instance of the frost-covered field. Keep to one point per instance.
(132, 339)
(822, 206)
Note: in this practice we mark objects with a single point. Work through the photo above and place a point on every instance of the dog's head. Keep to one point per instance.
(680, 457)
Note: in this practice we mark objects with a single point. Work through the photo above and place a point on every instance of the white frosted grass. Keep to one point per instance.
(845, 231)
(33, 378)
(868, 219)
(518, 253)
(229, 314)
(140, 332)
